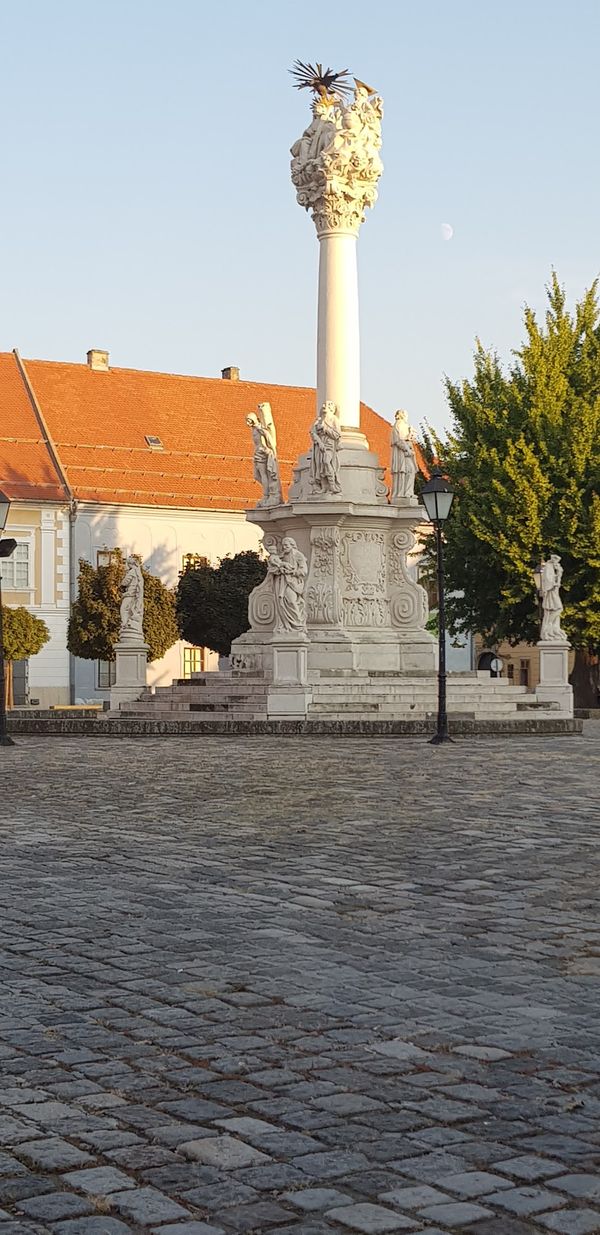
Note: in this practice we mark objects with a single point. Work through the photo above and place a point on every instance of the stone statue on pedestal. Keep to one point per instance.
(287, 571)
(266, 467)
(550, 580)
(403, 464)
(132, 604)
(324, 464)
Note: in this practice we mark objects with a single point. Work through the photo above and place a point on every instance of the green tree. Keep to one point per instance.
(23, 635)
(524, 457)
(212, 601)
(96, 618)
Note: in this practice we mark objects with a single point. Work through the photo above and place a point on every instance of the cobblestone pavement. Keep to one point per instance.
(299, 986)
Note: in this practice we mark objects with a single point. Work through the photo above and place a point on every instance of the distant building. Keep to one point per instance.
(96, 458)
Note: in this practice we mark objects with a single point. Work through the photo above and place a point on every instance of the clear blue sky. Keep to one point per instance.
(147, 206)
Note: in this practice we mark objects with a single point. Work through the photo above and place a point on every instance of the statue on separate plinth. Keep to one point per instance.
(287, 571)
(326, 435)
(336, 163)
(403, 463)
(551, 573)
(266, 467)
(132, 604)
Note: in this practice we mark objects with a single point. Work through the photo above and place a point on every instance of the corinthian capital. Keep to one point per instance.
(336, 163)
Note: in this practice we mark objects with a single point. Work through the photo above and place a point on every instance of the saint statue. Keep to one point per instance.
(404, 463)
(287, 571)
(266, 467)
(132, 604)
(326, 435)
(551, 574)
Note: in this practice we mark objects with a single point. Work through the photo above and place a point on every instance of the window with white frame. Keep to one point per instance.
(106, 557)
(15, 569)
(107, 674)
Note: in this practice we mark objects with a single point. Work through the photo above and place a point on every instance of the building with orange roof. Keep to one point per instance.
(95, 457)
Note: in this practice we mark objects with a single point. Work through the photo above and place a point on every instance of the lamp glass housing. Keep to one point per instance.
(437, 498)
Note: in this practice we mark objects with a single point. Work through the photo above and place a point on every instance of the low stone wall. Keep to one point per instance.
(67, 725)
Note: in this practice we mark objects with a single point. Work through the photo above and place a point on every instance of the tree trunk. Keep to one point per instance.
(585, 679)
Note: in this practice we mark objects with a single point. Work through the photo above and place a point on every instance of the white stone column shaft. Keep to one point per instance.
(338, 338)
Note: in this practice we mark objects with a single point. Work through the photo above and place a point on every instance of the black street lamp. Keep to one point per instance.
(437, 497)
(7, 547)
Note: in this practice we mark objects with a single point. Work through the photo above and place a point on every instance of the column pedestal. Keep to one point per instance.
(131, 670)
(554, 675)
(289, 693)
(365, 612)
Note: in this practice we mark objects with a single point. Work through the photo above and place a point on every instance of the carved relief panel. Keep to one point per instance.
(323, 602)
(408, 600)
(363, 561)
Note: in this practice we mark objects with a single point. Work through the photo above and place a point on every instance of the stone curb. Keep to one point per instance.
(136, 727)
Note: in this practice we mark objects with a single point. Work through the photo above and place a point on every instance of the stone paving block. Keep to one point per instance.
(371, 1219)
(11, 1166)
(329, 1165)
(527, 1200)
(473, 1183)
(348, 1103)
(415, 1197)
(247, 1127)
(99, 1180)
(430, 1167)
(312, 1226)
(530, 1167)
(15, 1189)
(99, 1225)
(487, 1053)
(226, 1152)
(146, 1205)
(396, 1048)
(52, 1206)
(48, 1114)
(53, 1154)
(504, 1225)
(273, 1177)
(372, 1184)
(257, 1217)
(218, 1195)
(142, 1157)
(22, 1228)
(193, 1227)
(581, 1185)
(456, 1214)
(13, 1131)
(483, 1153)
(174, 1134)
(309, 1199)
(571, 1222)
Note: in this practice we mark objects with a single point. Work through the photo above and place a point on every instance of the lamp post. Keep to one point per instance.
(7, 547)
(437, 496)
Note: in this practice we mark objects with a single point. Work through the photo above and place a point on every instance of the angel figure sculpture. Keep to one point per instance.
(266, 467)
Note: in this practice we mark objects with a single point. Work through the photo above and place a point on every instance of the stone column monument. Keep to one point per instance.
(364, 611)
(131, 650)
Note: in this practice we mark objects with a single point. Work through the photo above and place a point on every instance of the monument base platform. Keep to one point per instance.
(336, 697)
(131, 672)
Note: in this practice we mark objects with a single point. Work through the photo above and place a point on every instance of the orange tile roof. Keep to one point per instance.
(26, 467)
(98, 421)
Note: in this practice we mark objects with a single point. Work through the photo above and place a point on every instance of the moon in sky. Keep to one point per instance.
(447, 231)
